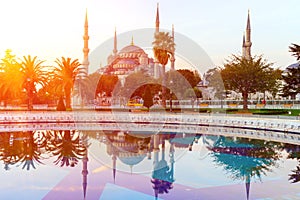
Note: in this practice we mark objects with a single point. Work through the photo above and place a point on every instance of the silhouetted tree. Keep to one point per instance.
(33, 75)
(148, 98)
(66, 72)
(295, 49)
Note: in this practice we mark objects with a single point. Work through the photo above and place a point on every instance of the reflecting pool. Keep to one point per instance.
(116, 164)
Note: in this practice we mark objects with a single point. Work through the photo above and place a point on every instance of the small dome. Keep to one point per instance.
(133, 160)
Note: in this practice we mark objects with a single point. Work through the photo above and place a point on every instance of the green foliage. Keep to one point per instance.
(214, 79)
(11, 81)
(163, 47)
(192, 77)
(65, 74)
(33, 74)
(270, 112)
(106, 84)
(179, 84)
(295, 49)
(148, 97)
(248, 76)
(291, 78)
(135, 85)
(197, 92)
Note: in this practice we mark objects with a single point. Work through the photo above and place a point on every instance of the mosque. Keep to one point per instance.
(133, 58)
(129, 59)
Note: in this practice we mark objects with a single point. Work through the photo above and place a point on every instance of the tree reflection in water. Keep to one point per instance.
(244, 158)
(25, 147)
(11, 150)
(66, 145)
(294, 153)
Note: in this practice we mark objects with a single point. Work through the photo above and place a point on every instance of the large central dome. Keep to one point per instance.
(131, 51)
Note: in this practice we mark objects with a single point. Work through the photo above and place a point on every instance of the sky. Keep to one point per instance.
(52, 29)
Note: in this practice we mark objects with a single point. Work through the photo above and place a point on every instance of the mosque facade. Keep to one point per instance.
(131, 58)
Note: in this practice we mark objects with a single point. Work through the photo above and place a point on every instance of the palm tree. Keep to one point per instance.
(295, 49)
(33, 74)
(163, 47)
(10, 77)
(66, 73)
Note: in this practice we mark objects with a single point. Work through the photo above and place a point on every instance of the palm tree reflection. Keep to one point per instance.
(25, 147)
(11, 150)
(67, 146)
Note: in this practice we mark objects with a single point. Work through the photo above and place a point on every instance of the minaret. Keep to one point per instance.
(244, 47)
(114, 158)
(156, 64)
(84, 171)
(86, 49)
(173, 53)
(157, 20)
(248, 42)
(115, 51)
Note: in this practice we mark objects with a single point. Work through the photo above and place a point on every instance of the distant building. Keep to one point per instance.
(129, 59)
(133, 58)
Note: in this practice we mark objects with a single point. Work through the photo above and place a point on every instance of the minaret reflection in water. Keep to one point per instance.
(241, 158)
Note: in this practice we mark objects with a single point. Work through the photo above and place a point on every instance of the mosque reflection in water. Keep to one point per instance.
(241, 159)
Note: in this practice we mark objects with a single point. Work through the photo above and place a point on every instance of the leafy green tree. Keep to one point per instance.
(135, 84)
(163, 48)
(214, 80)
(291, 75)
(192, 77)
(65, 73)
(179, 84)
(90, 87)
(33, 75)
(106, 84)
(248, 76)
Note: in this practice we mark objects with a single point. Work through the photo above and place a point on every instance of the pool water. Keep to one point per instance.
(113, 164)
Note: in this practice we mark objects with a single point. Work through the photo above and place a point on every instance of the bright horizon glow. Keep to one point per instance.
(52, 29)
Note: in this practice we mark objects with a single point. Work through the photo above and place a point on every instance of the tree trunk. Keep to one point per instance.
(163, 85)
(30, 96)
(245, 100)
(68, 99)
